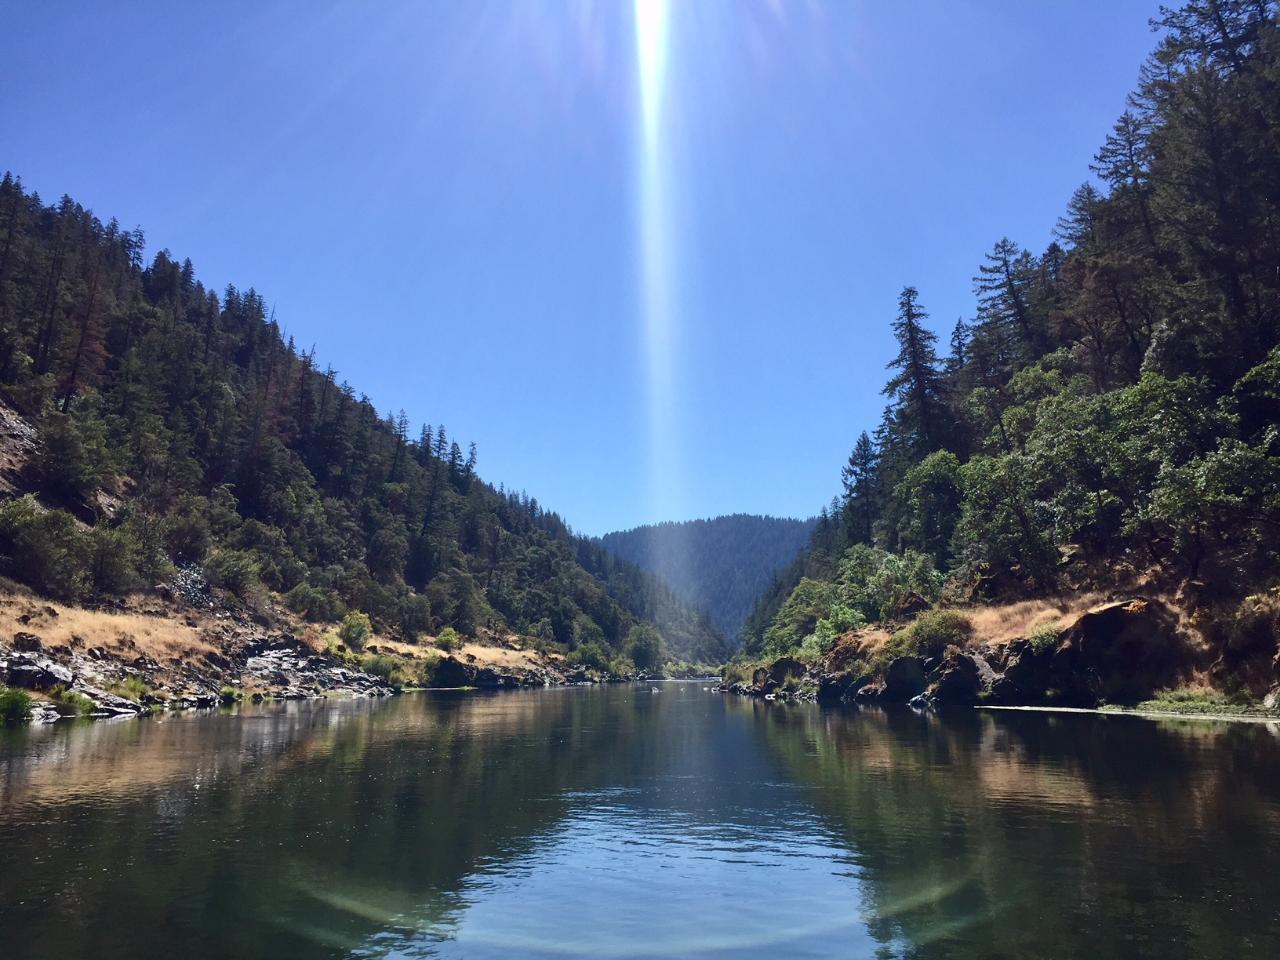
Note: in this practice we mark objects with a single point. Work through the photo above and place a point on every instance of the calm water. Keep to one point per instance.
(613, 822)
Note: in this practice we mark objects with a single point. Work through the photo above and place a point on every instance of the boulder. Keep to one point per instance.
(452, 672)
(909, 606)
(957, 681)
(842, 687)
(34, 672)
(492, 679)
(903, 679)
(1123, 652)
(27, 643)
(108, 704)
(832, 686)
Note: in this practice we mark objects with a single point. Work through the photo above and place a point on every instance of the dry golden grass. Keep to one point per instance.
(161, 637)
(479, 653)
(1011, 621)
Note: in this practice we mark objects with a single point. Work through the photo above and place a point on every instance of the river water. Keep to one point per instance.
(618, 822)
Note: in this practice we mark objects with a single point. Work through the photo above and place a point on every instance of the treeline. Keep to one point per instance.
(178, 428)
(720, 565)
(1113, 407)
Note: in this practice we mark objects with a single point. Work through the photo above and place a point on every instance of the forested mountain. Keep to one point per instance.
(720, 565)
(1112, 408)
(177, 427)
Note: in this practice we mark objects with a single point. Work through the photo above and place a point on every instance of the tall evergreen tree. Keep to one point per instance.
(915, 390)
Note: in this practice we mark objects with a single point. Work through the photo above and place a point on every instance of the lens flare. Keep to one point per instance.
(657, 260)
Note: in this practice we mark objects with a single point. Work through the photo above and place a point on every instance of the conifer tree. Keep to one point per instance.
(915, 390)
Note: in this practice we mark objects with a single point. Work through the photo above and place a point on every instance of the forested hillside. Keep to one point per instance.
(720, 565)
(1111, 411)
(176, 428)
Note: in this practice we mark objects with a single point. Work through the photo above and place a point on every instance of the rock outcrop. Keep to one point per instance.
(1121, 653)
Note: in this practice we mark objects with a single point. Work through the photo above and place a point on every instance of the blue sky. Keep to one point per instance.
(446, 199)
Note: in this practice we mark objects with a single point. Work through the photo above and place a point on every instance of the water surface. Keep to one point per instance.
(614, 822)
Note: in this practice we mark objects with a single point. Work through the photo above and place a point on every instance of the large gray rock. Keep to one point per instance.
(33, 672)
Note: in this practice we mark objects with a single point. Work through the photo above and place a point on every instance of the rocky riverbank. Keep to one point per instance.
(152, 656)
(1127, 652)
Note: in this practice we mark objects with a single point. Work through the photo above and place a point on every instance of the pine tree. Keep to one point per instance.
(915, 391)
(858, 478)
(1004, 296)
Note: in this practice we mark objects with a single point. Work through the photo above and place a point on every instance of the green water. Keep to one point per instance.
(614, 822)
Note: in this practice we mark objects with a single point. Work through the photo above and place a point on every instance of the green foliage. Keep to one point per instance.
(131, 688)
(926, 506)
(809, 602)
(222, 444)
(1118, 392)
(355, 630)
(235, 570)
(230, 695)
(1197, 700)
(317, 604)
(71, 700)
(644, 647)
(111, 556)
(592, 654)
(45, 548)
(72, 458)
(929, 635)
(393, 670)
(1045, 636)
(450, 639)
(15, 705)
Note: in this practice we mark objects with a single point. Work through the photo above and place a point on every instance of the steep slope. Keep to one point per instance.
(167, 426)
(721, 565)
(1108, 417)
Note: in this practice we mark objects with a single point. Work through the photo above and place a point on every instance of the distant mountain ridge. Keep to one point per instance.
(723, 564)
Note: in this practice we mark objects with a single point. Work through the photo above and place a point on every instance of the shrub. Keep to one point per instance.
(930, 634)
(233, 570)
(187, 532)
(893, 578)
(112, 560)
(355, 630)
(46, 548)
(621, 666)
(379, 665)
(77, 703)
(591, 654)
(449, 639)
(131, 688)
(229, 695)
(1045, 636)
(315, 603)
(15, 705)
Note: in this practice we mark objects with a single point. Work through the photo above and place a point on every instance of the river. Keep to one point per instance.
(619, 822)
